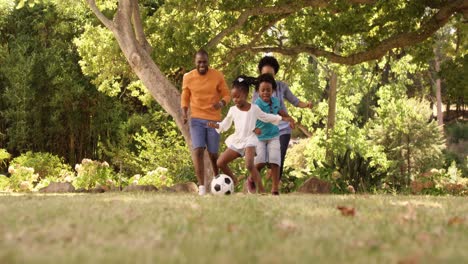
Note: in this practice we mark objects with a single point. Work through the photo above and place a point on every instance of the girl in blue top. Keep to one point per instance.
(268, 146)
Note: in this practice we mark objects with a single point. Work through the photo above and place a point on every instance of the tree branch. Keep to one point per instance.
(272, 10)
(138, 27)
(398, 41)
(104, 20)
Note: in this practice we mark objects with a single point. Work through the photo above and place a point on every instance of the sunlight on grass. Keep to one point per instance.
(174, 228)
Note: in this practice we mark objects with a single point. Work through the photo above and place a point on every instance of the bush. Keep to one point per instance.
(4, 183)
(46, 165)
(22, 178)
(92, 174)
(158, 178)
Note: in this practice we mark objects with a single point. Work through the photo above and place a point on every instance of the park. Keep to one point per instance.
(271, 131)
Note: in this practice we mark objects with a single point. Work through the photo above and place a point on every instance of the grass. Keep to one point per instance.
(174, 228)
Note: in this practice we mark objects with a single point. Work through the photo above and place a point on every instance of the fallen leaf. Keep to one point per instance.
(414, 259)
(456, 220)
(346, 211)
(232, 227)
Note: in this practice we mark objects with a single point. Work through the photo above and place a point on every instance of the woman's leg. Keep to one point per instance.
(284, 142)
(226, 157)
(249, 164)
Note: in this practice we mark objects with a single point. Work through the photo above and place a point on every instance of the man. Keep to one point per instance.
(204, 90)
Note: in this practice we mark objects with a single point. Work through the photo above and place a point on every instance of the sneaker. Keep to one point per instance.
(251, 188)
(201, 190)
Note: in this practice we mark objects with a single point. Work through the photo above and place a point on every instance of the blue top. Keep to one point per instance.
(282, 92)
(269, 130)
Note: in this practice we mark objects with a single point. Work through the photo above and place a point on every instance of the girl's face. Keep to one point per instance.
(265, 89)
(238, 96)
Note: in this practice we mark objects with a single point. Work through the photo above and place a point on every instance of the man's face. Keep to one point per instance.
(201, 63)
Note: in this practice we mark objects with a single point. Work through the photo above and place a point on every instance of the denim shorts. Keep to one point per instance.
(269, 151)
(204, 136)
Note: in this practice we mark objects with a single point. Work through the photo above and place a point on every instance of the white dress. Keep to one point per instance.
(244, 124)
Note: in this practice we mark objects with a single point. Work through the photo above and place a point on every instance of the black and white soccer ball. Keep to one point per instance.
(222, 185)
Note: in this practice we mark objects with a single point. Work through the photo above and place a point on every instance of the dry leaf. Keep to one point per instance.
(456, 220)
(347, 211)
(232, 227)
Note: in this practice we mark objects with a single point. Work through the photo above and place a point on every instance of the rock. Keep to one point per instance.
(187, 187)
(97, 189)
(315, 185)
(140, 188)
(58, 187)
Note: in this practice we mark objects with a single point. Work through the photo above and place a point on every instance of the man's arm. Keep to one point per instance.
(185, 99)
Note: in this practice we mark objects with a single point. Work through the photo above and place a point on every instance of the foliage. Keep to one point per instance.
(4, 156)
(4, 183)
(92, 174)
(158, 178)
(22, 178)
(46, 165)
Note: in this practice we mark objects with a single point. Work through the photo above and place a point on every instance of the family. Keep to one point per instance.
(262, 128)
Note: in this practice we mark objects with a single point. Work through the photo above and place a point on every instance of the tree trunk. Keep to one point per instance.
(128, 31)
(440, 120)
(331, 115)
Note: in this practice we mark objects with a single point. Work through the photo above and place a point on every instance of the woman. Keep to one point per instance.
(269, 64)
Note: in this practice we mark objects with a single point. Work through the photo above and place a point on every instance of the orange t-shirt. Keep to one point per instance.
(200, 92)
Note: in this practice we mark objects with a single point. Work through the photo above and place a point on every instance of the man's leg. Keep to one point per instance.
(212, 142)
(197, 158)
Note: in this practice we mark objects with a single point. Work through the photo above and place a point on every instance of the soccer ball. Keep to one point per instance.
(222, 185)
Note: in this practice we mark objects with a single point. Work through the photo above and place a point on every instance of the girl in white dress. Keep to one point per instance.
(244, 140)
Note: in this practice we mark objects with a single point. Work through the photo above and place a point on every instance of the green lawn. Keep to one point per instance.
(174, 228)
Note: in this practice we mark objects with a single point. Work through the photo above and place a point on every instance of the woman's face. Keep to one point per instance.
(268, 69)
(265, 89)
(238, 97)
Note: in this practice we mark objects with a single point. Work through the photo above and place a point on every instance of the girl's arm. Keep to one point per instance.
(291, 121)
(223, 125)
(267, 118)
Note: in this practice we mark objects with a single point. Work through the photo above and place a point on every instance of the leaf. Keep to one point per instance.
(456, 220)
(347, 211)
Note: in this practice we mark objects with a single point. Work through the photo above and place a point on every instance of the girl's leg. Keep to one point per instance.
(226, 157)
(249, 164)
(275, 178)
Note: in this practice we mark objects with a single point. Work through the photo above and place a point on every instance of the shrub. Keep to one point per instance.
(46, 165)
(92, 173)
(22, 178)
(4, 183)
(158, 178)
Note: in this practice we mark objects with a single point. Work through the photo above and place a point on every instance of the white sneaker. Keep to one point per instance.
(201, 190)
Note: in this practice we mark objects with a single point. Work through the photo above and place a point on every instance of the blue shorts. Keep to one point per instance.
(204, 136)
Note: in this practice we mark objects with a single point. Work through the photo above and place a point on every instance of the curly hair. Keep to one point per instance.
(269, 61)
(266, 77)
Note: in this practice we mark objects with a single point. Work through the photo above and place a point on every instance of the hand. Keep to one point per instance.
(212, 124)
(291, 121)
(257, 131)
(309, 105)
(218, 105)
(184, 116)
